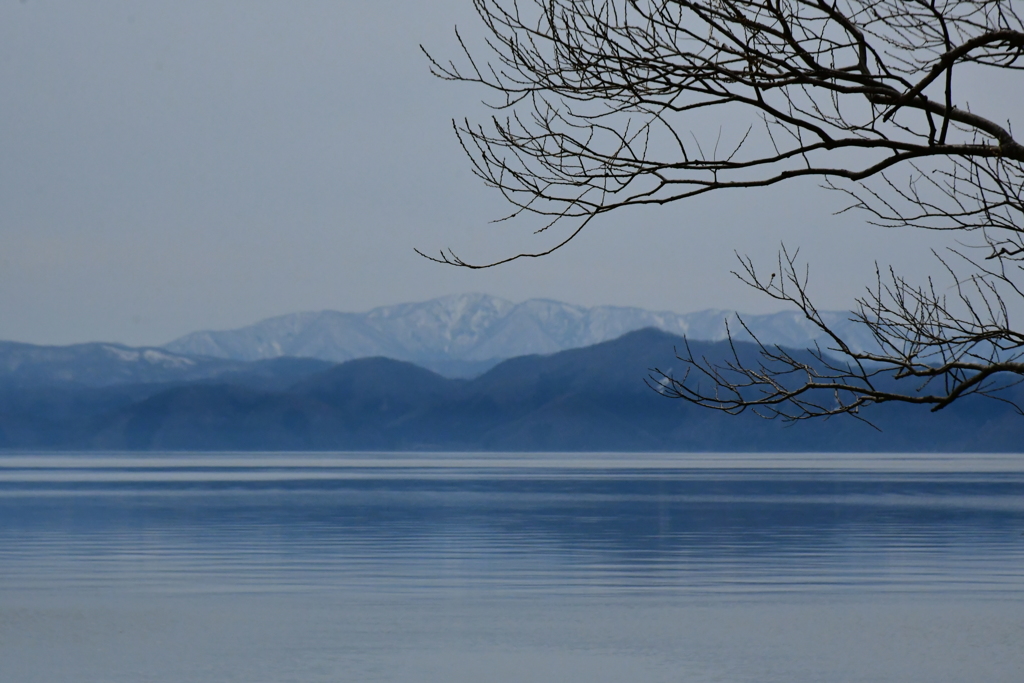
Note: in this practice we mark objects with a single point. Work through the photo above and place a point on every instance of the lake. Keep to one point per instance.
(511, 567)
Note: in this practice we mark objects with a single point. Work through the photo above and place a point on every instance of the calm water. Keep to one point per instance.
(359, 567)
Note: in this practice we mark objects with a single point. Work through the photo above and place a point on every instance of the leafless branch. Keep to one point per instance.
(595, 107)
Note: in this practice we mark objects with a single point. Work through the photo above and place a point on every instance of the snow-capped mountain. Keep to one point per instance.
(96, 364)
(465, 334)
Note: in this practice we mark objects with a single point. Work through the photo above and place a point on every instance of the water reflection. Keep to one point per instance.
(459, 569)
(724, 525)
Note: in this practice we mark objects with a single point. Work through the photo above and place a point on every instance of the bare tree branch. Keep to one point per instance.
(947, 350)
(595, 103)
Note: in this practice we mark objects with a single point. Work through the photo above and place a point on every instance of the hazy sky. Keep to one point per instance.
(173, 166)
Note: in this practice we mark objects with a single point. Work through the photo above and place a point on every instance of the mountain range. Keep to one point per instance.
(592, 398)
(458, 336)
(468, 372)
(102, 364)
(464, 335)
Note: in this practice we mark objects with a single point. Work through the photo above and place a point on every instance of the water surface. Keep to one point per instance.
(434, 567)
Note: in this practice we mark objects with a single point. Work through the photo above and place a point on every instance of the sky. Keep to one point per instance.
(167, 167)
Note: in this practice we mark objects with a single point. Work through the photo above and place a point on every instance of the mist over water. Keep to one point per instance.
(182, 567)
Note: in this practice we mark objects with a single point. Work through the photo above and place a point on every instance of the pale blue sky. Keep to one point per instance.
(173, 166)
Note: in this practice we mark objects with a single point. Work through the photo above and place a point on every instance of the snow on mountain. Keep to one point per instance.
(465, 334)
(99, 364)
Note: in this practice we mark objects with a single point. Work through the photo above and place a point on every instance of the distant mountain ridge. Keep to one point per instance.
(457, 337)
(100, 364)
(464, 335)
(588, 399)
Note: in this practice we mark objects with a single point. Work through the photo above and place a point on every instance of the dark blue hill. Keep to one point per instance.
(592, 398)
